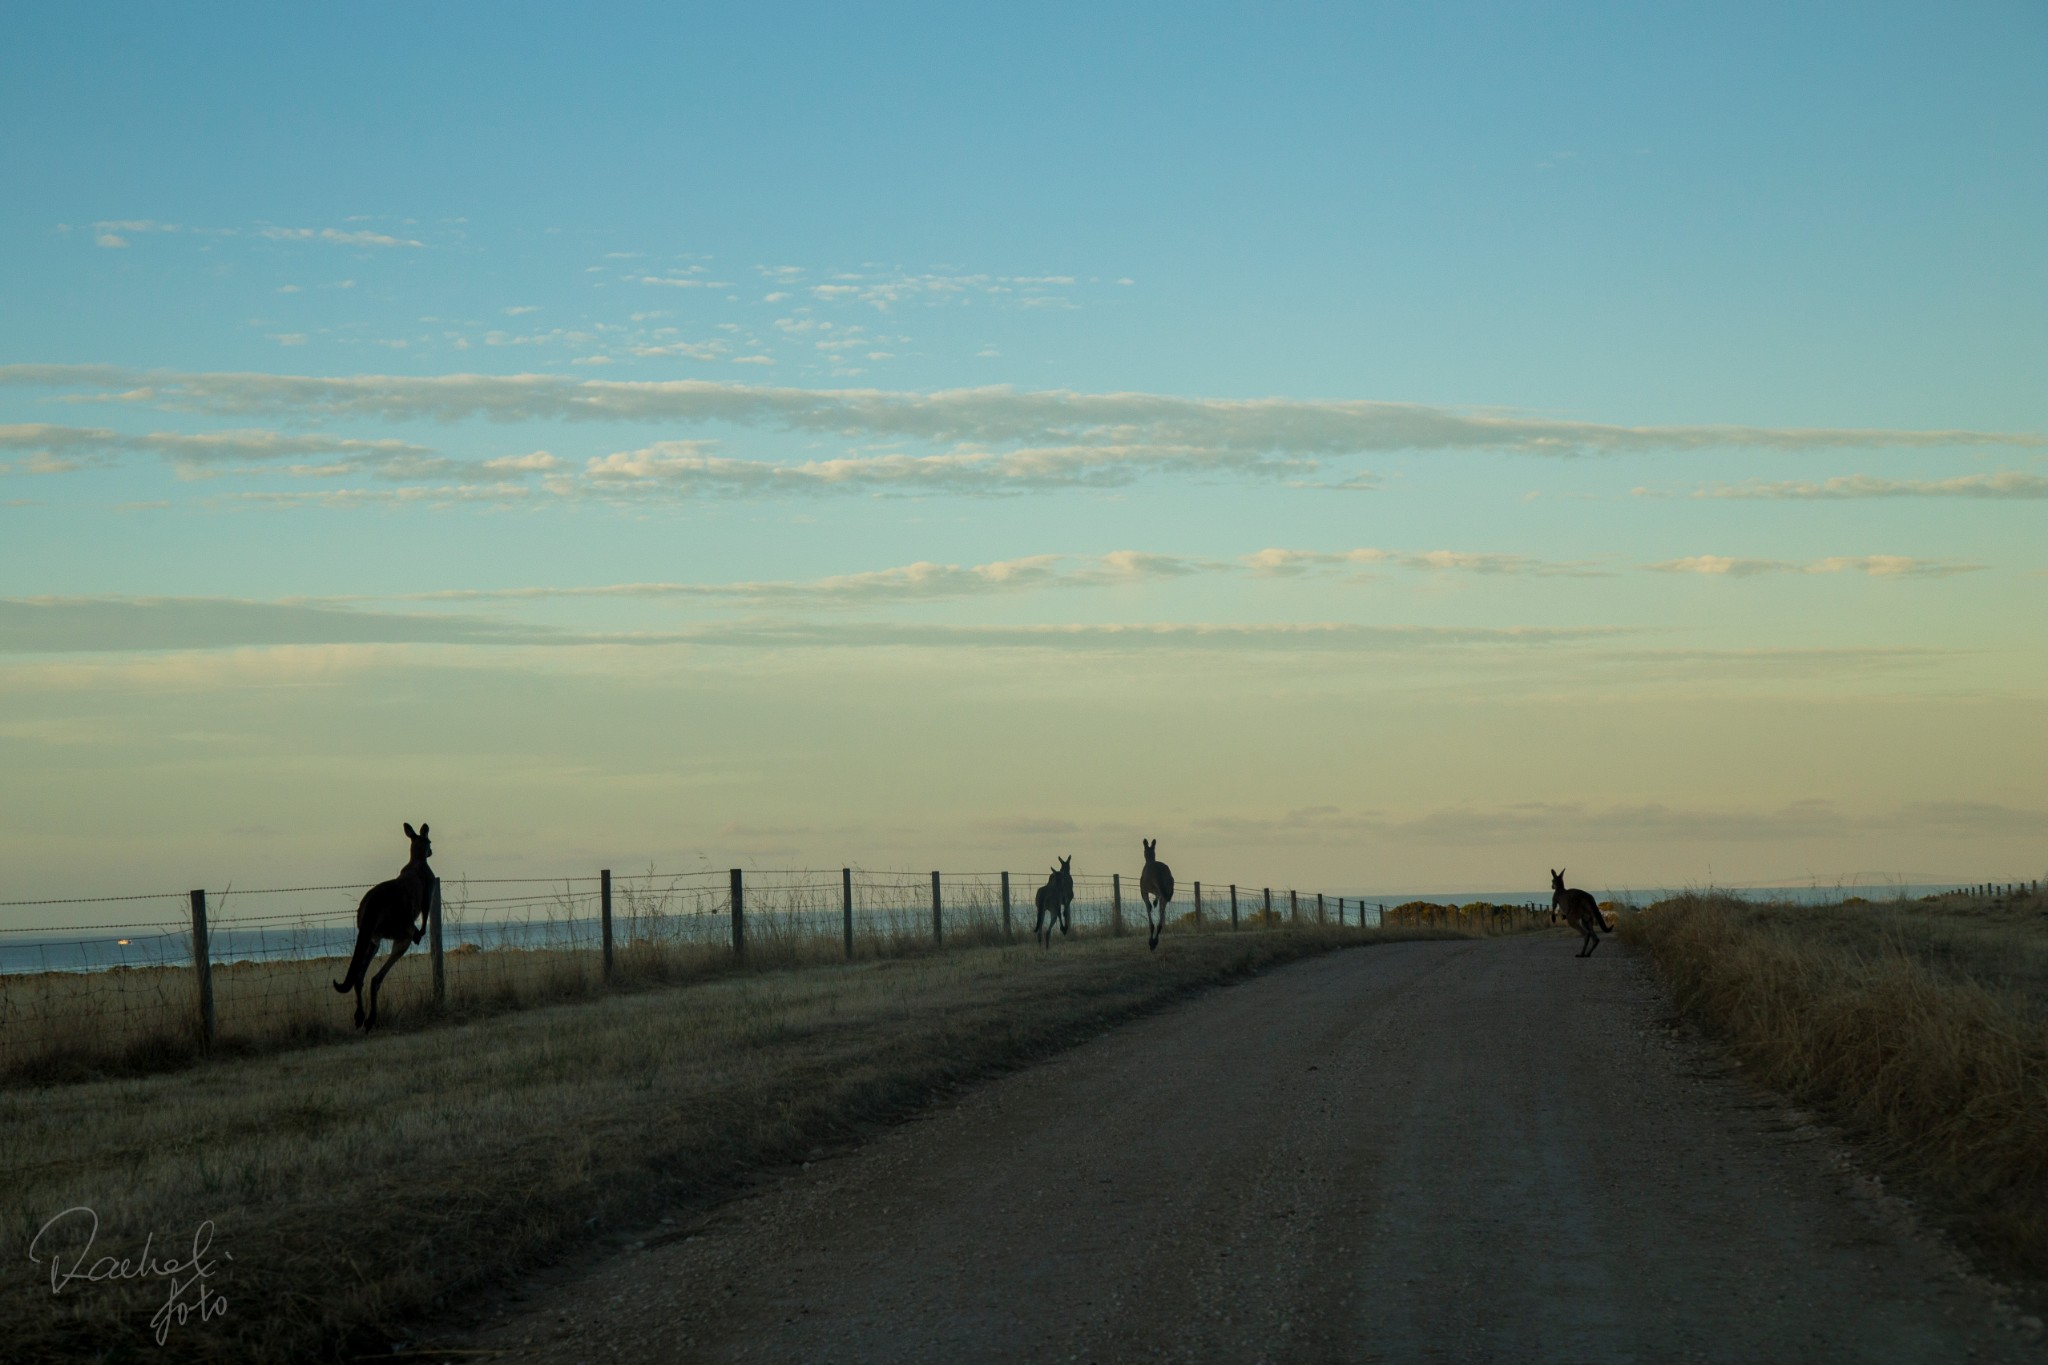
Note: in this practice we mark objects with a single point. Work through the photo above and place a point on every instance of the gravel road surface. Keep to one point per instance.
(1453, 1151)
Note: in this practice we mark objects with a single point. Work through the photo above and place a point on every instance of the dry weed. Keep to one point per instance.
(1919, 1029)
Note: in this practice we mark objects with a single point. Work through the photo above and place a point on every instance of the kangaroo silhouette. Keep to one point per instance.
(1155, 885)
(388, 911)
(1580, 911)
(1055, 902)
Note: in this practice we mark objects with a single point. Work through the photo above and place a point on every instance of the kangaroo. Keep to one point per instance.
(1155, 884)
(1055, 902)
(387, 911)
(1581, 912)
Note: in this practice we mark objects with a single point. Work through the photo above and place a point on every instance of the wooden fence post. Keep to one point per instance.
(1006, 907)
(739, 918)
(1293, 906)
(1269, 907)
(604, 920)
(202, 961)
(434, 942)
(1116, 905)
(1198, 905)
(1233, 905)
(1320, 918)
(938, 931)
(846, 908)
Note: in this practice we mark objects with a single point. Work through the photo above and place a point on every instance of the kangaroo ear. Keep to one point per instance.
(423, 829)
(408, 831)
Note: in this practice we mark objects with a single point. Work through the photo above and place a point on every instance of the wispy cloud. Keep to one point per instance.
(435, 495)
(906, 582)
(68, 625)
(885, 290)
(683, 282)
(55, 449)
(1292, 637)
(1876, 566)
(2007, 483)
(115, 232)
(528, 463)
(688, 468)
(336, 236)
(985, 416)
(1288, 563)
(79, 625)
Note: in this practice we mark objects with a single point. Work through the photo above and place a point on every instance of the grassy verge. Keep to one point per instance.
(361, 1189)
(69, 1026)
(1922, 1030)
(61, 1026)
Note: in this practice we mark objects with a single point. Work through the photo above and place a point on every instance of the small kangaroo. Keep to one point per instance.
(1055, 902)
(1155, 884)
(1580, 910)
(387, 911)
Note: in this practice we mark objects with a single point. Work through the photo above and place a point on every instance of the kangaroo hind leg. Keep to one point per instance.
(358, 967)
(398, 947)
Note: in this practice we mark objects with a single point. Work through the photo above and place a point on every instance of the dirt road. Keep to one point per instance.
(1462, 1151)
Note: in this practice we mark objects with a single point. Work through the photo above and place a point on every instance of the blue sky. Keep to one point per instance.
(1490, 429)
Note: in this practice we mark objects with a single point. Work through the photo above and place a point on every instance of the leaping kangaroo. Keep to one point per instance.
(1580, 911)
(1155, 884)
(1055, 902)
(387, 911)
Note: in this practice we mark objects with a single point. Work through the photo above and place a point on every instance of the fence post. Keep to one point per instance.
(846, 908)
(202, 961)
(1269, 907)
(1116, 905)
(1320, 918)
(739, 918)
(1198, 905)
(1293, 906)
(434, 942)
(1340, 912)
(1006, 907)
(604, 920)
(938, 930)
(1233, 905)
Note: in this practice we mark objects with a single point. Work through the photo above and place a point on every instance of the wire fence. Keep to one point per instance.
(133, 990)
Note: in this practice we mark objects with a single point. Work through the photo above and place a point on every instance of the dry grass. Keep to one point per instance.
(1478, 918)
(1921, 1028)
(362, 1189)
(75, 1026)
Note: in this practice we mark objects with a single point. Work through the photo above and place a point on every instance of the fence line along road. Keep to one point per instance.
(188, 969)
(256, 966)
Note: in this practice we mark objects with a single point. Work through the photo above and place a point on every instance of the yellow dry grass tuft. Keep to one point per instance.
(1920, 1028)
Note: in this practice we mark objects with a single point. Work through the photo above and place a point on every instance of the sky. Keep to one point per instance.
(1362, 447)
